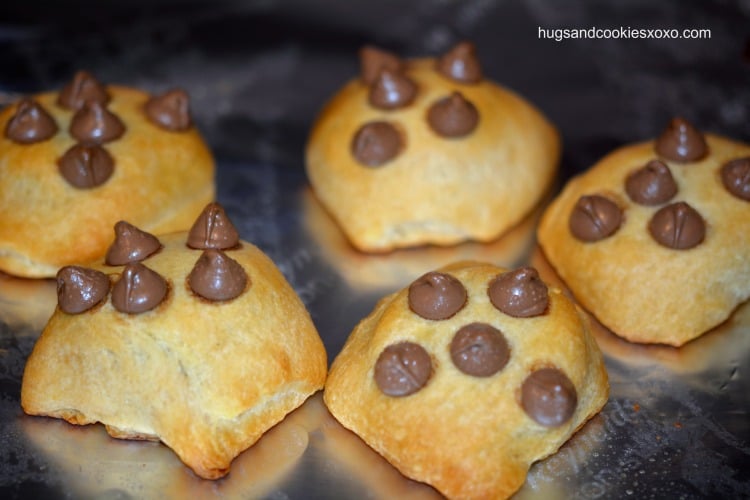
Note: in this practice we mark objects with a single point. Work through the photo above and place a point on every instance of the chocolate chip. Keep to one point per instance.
(80, 288)
(30, 124)
(436, 296)
(461, 64)
(392, 90)
(681, 142)
(453, 116)
(86, 166)
(678, 226)
(549, 397)
(213, 229)
(130, 245)
(81, 89)
(594, 218)
(94, 123)
(402, 369)
(652, 184)
(138, 290)
(479, 350)
(520, 293)
(374, 60)
(217, 277)
(376, 143)
(735, 175)
(170, 111)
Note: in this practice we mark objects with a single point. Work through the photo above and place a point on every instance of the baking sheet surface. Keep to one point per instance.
(677, 422)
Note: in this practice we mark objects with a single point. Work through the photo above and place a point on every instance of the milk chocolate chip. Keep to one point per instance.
(461, 64)
(80, 288)
(213, 229)
(520, 293)
(678, 226)
(436, 296)
(376, 143)
(594, 218)
(374, 60)
(652, 184)
(81, 89)
(479, 350)
(453, 116)
(681, 142)
(86, 166)
(130, 245)
(735, 175)
(94, 123)
(170, 111)
(217, 277)
(30, 124)
(402, 369)
(549, 397)
(139, 289)
(392, 90)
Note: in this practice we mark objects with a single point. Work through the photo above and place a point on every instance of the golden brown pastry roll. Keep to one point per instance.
(654, 239)
(195, 339)
(469, 375)
(428, 151)
(74, 162)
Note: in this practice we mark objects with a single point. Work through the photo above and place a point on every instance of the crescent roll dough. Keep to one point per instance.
(468, 376)
(206, 377)
(674, 261)
(160, 180)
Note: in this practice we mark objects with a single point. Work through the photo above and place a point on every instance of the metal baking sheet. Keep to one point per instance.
(677, 424)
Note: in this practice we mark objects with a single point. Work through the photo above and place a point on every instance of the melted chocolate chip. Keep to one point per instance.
(549, 397)
(735, 175)
(594, 218)
(30, 124)
(139, 289)
(461, 64)
(81, 89)
(453, 116)
(376, 143)
(436, 296)
(652, 184)
(681, 142)
(479, 350)
(213, 229)
(170, 111)
(94, 123)
(80, 288)
(520, 293)
(374, 60)
(86, 166)
(217, 277)
(130, 245)
(392, 90)
(402, 369)
(678, 226)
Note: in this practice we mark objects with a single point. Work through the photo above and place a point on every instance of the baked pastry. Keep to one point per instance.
(197, 341)
(654, 239)
(428, 151)
(88, 156)
(467, 376)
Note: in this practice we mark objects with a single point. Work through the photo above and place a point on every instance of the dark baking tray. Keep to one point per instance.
(676, 424)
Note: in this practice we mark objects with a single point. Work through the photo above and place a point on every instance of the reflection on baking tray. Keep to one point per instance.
(347, 450)
(94, 464)
(396, 269)
(26, 304)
